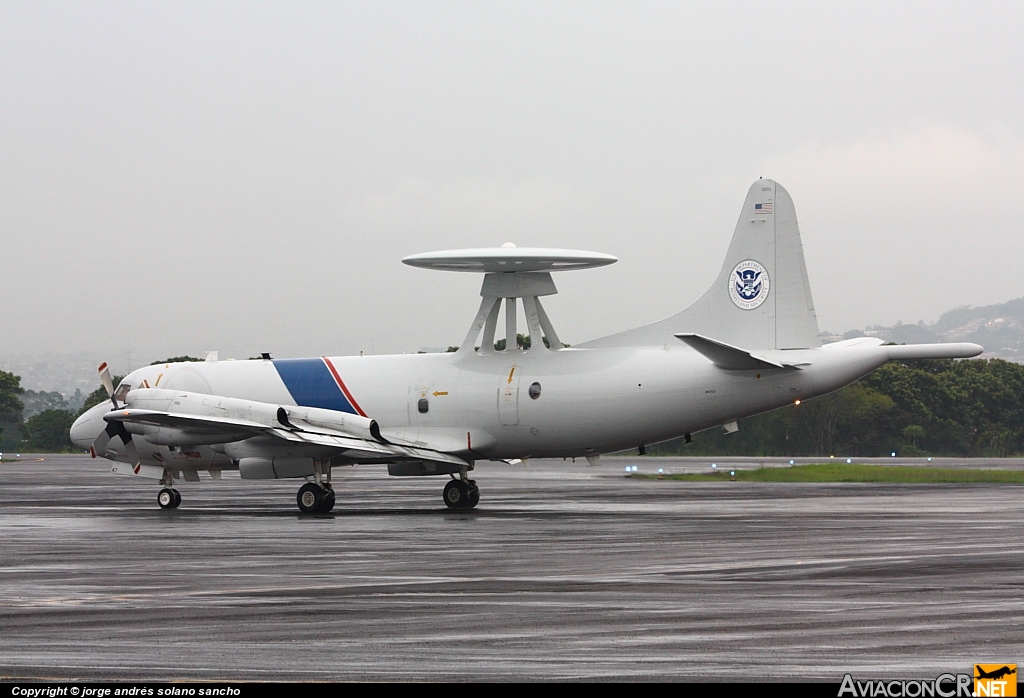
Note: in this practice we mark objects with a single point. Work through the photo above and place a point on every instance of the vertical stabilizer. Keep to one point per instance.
(761, 298)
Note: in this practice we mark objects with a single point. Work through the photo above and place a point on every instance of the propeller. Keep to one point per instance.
(114, 427)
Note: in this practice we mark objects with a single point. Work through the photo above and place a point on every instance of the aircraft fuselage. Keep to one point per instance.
(587, 400)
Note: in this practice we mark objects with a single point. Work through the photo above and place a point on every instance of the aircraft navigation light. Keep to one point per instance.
(661, 470)
(791, 461)
(732, 473)
(627, 468)
(929, 460)
(849, 460)
(894, 454)
(635, 468)
(714, 465)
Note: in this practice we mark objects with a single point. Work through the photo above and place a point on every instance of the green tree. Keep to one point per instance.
(953, 408)
(178, 360)
(10, 405)
(10, 409)
(47, 432)
(912, 433)
(523, 341)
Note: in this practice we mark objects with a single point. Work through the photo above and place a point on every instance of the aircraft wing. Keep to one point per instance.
(226, 429)
(191, 423)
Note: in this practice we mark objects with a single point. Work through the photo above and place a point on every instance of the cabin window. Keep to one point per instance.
(424, 405)
(535, 390)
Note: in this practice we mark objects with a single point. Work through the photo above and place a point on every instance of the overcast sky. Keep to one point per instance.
(180, 177)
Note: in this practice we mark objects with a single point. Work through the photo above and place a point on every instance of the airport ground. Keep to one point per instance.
(563, 572)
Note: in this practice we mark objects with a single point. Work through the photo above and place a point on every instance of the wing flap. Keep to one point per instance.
(356, 446)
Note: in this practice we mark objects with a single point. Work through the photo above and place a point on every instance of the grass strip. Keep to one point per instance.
(846, 472)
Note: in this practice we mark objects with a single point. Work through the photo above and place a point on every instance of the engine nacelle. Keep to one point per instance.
(169, 436)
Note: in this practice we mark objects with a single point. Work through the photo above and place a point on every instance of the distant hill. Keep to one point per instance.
(999, 328)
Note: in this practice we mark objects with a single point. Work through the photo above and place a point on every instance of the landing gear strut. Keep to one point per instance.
(316, 497)
(168, 498)
(461, 494)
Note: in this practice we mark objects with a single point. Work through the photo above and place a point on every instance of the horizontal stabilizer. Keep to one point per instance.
(727, 356)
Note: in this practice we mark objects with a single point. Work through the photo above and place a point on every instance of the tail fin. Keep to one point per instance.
(761, 298)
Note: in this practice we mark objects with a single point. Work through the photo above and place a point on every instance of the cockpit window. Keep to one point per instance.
(121, 391)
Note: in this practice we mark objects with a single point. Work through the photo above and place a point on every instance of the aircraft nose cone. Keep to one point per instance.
(87, 427)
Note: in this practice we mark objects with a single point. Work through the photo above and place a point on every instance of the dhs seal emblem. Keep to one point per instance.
(748, 285)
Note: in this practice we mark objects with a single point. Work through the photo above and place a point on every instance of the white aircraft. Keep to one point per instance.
(748, 345)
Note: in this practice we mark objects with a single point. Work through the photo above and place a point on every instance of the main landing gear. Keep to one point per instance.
(461, 494)
(316, 497)
(168, 498)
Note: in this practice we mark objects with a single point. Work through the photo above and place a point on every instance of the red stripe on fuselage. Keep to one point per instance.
(341, 384)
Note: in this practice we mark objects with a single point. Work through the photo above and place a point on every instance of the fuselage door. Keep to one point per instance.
(508, 397)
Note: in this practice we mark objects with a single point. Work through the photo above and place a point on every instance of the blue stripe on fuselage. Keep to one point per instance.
(311, 384)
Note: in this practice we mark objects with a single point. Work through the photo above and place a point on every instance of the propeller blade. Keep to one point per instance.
(107, 381)
(104, 437)
(131, 451)
(105, 378)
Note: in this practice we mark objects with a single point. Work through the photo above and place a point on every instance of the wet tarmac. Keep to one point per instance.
(563, 572)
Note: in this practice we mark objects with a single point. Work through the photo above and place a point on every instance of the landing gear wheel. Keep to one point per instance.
(461, 495)
(168, 498)
(310, 498)
(328, 501)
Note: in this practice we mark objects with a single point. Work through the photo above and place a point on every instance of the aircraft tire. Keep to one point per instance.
(165, 498)
(177, 499)
(459, 495)
(310, 498)
(474, 496)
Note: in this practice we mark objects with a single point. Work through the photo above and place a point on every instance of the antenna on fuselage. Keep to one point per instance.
(511, 273)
